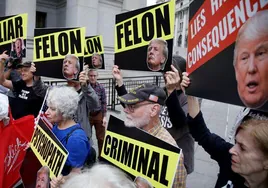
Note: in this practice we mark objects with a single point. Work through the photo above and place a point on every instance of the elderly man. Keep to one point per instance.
(97, 116)
(157, 54)
(142, 108)
(70, 67)
(251, 61)
(26, 100)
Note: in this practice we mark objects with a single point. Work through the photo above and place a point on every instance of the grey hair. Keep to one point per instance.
(65, 99)
(77, 64)
(99, 176)
(165, 49)
(254, 28)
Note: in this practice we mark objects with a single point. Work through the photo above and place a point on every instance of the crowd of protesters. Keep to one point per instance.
(74, 108)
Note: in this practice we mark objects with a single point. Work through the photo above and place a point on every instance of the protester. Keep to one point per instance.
(244, 164)
(100, 176)
(96, 61)
(157, 54)
(62, 105)
(26, 100)
(142, 108)
(88, 99)
(42, 179)
(97, 116)
(251, 61)
(178, 128)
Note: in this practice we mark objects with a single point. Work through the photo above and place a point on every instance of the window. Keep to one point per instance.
(41, 18)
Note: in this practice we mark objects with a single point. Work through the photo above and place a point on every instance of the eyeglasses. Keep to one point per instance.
(132, 107)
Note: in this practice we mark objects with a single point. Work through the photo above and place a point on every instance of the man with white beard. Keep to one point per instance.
(142, 108)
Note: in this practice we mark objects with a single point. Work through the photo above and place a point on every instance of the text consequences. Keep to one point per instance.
(214, 27)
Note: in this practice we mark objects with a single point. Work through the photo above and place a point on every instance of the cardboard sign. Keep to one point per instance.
(48, 149)
(140, 154)
(13, 35)
(51, 47)
(216, 71)
(144, 38)
(94, 52)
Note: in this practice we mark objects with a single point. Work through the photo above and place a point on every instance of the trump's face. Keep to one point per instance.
(42, 181)
(96, 61)
(69, 67)
(155, 56)
(251, 70)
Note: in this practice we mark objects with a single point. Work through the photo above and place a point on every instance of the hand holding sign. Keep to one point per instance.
(185, 81)
(83, 78)
(117, 75)
(172, 80)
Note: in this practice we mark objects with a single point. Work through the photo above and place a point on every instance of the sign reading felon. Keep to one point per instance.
(52, 45)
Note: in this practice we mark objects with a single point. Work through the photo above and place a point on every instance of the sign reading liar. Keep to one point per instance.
(48, 149)
(140, 153)
(214, 27)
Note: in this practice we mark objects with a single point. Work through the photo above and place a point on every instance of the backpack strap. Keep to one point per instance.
(70, 133)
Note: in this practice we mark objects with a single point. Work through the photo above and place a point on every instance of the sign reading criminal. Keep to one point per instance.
(140, 154)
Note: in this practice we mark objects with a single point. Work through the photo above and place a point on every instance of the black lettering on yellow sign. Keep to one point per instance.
(93, 45)
(147, 162)
(11, 29)
(154, 24)
(55, 45)
(49, 152)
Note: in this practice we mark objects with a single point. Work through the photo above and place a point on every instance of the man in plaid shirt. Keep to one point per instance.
(97, 116)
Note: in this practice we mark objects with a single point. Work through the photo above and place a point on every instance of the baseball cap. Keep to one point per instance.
(24, 64)
(144, 92)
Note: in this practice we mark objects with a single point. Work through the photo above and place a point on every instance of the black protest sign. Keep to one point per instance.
(140, 154)
(53, 49)
(226, 59)
(13, 35)
(144, 38)
(48, 149)
(94, 52)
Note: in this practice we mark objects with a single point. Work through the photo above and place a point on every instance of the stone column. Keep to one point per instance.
(83, 13)
(184, 28)
(23, 6)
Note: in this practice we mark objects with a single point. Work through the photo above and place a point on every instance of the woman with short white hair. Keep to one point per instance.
(62, 104)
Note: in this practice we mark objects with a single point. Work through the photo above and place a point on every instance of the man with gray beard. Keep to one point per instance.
(142, 107)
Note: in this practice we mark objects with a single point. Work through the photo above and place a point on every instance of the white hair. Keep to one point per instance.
(254, 28)
(100, 176)
(65, 99)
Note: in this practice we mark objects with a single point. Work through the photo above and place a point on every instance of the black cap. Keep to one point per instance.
(144, 92)
(24, 64)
